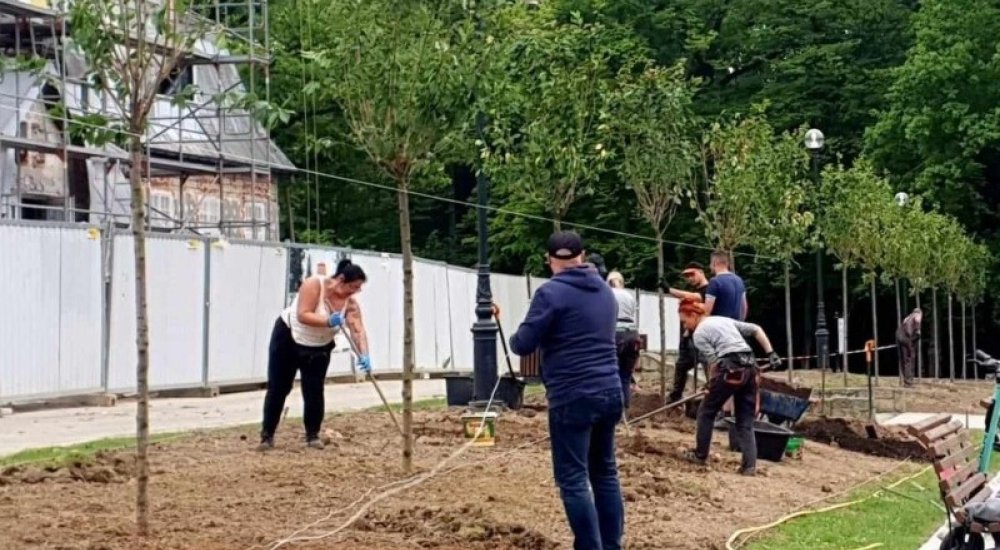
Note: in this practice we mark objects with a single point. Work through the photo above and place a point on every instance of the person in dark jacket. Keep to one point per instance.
(687, 355)
(907, 341)
(572, 321)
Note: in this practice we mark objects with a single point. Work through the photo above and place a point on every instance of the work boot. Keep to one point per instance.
(693, 458)
(749, 472)
(315, 443)
(266, 444)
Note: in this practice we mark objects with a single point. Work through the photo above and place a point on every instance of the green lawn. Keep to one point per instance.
(901, 518)
(62, 455)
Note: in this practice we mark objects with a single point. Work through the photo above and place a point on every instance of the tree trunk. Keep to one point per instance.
(408, 366)
(663, 321)
(951, 341)
(843, 292)
(875, 326)
(965, 351)
(934, 340)
(975, 374)
(556, 224)
(788, 318)
(141, 333)
(291, 215)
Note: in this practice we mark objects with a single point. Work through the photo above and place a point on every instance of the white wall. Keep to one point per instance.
(52, 330)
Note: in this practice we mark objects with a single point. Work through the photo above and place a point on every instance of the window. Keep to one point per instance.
(161, 209)
(179, 78)
(260, 217)
(208, 213)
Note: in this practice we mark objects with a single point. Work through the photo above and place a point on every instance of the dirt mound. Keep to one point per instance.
(852, 435)
(466, 526)
(101, 468)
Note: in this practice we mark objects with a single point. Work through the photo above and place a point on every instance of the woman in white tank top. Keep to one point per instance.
(301, 341)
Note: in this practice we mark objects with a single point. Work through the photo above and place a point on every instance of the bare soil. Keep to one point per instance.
(213, 491)
(927, 396)
(856, 435)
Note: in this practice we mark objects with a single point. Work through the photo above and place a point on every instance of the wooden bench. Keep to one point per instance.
(956, 462)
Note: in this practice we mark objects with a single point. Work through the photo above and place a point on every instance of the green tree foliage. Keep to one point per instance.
(549, 106)
(941, 122)
(751, 191)
(399, 73)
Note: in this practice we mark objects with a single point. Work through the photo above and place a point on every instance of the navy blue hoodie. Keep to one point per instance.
(572, 319)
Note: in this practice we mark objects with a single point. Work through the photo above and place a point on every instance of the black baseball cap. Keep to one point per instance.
(691, 267)
(565, 245)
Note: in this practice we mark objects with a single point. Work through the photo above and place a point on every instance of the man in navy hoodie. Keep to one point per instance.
(572, 320)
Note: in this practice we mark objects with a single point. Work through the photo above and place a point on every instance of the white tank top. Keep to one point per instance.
(307, 335)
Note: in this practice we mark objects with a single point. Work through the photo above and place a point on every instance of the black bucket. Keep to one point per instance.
(511, 392)
(771, 440)
(458, 389)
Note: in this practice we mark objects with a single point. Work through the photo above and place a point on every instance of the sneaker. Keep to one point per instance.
(693, 458)
(266, 444)
(749, 472)
(315, 443)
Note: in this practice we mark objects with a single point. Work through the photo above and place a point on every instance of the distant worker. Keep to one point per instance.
(907, 342)
(572, 320)
(302, 340)
(732, 373)
(626, 334)
(726, 294)
(687, 355)
(597, 261)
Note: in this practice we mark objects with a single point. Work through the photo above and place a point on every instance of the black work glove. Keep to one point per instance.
(774, 360)
(665, 284)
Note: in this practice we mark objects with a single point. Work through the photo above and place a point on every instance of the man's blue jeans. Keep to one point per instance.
(583, 458)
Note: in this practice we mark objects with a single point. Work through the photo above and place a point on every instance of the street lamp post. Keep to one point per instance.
(814, 143)
(484, 330)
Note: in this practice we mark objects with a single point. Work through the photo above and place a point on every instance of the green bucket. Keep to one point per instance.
(794, 444)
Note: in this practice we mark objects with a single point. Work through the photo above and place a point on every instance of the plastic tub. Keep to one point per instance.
(771, 440)
(458, 389)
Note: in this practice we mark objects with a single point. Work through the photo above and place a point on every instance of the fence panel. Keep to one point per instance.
(382, 308)
(175, 280)
(48, 269)
(649, 320)
(241, 316)
(425, 309)
(462, 291)
(510, 293)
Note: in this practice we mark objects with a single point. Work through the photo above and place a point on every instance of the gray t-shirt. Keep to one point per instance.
(717, 336)
(626, 307)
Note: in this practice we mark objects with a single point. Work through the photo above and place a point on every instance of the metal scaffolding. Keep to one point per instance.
(212, 139)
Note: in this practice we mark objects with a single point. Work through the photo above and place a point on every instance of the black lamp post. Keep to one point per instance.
(484, 330)
(814, 143)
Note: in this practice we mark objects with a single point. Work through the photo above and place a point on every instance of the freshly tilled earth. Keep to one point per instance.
(213, 491)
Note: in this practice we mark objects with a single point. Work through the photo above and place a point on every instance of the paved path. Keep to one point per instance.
(59, 427)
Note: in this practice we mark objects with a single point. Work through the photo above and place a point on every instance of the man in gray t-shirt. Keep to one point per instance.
(732, 373)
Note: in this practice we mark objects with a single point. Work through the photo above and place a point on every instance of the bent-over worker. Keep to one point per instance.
(732, 373)
(907, 342)
(302, 340)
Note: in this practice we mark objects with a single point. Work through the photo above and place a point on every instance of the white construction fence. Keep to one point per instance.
(67, 310)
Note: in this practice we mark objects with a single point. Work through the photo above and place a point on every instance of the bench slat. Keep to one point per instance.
(982, 495)
(951, 482)
(957, 498)
(944, 447)
(977, 527)
(960, 456)
(929, 437)
(929, 423)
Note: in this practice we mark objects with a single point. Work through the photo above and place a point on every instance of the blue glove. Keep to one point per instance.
(335, 320)
(365, 364)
